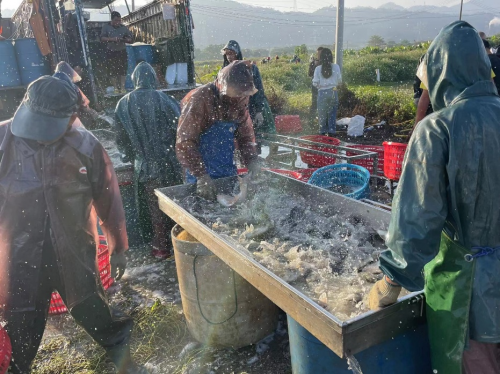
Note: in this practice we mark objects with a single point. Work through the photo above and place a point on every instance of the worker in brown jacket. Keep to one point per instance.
(212, 117)
(55, 180)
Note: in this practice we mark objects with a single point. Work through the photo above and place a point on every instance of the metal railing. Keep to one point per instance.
(296, 144)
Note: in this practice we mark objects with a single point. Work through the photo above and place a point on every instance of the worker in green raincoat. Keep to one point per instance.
(146, 131)
(258, 106)
(445, 224)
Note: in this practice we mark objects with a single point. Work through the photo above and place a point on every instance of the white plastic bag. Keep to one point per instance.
(356, 126)
(344, 121)
(182, 73)
(171, 74)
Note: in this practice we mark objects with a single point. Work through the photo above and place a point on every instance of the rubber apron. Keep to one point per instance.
(449, 279)
(217, 151)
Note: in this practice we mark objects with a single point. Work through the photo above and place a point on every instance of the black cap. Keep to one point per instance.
(46, 110)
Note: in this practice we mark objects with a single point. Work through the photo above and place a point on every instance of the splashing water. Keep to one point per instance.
(353, 365)
(330, 258)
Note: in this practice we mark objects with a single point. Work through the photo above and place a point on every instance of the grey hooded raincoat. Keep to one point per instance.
(451, 176)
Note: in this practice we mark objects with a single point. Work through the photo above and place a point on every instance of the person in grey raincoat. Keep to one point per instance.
(258, 106)
(146, 128)
(446, 216)
(54, 178)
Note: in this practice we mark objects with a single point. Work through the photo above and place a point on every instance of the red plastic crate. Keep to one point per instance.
(315, 159)
(56, 303)
(5, 351)
(368, 162)
(288, 124)
(394, 154)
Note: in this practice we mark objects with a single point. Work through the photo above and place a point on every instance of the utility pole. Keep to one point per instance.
(133, 5)
(461, 9)
(295, 5)
(339, 49)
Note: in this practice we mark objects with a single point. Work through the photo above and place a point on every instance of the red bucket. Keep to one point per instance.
(288, 124)
(394, 154)
(368, 162)
(5, 351)
(56, 303)
(316, 160)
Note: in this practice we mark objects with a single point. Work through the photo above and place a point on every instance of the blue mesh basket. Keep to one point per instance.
(347, 179)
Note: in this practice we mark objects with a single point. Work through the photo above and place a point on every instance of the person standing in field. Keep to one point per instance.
(313, 64)
(495, 64)
(115, 35)
(326, 78)
(146, 130)
(56, 182)
(443, 236)
(213, 118)
(258, 106)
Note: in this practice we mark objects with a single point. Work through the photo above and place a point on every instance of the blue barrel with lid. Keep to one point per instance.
(130, 67)
(144, 53)
(9, 74)
(30, 62)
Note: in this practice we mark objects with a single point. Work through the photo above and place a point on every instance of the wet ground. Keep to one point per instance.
(149, 291)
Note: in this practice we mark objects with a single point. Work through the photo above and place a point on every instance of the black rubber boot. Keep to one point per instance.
(120, 355)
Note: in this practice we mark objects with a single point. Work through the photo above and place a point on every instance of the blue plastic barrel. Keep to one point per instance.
(407, 353)
(144, 53)
(30, 62)
(130, 67)
(9, 74)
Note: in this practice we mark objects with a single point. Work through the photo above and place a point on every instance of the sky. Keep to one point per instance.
(302, 5)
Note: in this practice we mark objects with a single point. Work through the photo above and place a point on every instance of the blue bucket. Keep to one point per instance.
(9, 75)
(354, 179)
(30, 61)
(408, 353)
(131, 62)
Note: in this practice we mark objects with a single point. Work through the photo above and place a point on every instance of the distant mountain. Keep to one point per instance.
(218, 21)
(391, 6)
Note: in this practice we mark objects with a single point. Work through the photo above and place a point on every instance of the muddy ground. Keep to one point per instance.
(149, 291)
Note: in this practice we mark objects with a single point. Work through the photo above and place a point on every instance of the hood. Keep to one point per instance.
(234, 46)
(144, 76)
(455, 61)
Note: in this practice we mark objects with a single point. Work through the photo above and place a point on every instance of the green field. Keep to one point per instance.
(288, 87)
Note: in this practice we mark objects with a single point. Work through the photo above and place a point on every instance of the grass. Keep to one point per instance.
(288, 87)
(161, 340)
(159, 335)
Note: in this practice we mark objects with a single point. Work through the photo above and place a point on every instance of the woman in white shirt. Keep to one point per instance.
(326, 79)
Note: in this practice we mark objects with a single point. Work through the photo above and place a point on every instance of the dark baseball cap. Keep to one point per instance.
(236, 79)
(46, 110)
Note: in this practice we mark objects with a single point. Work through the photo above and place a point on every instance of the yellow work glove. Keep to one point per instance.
(383, 294)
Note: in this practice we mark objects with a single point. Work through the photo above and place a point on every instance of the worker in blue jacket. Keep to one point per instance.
(444, 233)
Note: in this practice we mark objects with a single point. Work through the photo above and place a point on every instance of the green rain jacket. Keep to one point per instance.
(146, 128)
(451, 176)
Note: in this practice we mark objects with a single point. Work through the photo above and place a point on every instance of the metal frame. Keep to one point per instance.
(342, 337)
(271, 139)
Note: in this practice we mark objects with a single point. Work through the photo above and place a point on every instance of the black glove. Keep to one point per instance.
(118, 265)
(205, 187)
